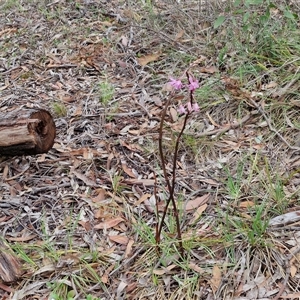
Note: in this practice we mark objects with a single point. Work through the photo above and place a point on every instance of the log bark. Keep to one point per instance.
(10, 265)
(26, 132)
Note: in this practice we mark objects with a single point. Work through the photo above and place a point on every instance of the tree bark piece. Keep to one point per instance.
(10, 265)
(26, 131)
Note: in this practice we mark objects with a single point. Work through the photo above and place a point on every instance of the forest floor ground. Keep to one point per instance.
(82, 218)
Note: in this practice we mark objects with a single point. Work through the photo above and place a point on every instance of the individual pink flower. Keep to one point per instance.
(196, 107)
(189, 107)
(194, 84)
(181, 109)
(176, 83)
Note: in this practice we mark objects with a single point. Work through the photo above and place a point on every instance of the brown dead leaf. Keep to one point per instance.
(210, 181)
(199, 60)
(134, 132)
(115, 197)
(86, 225)
(128, 171)
(15, 73)
(2, 88)
(198, 201)
(216, 278)
(21, 239)
(144, 60)
(68, 98)
(6, 288)
(131, 147)
(178, 125)
(131, 287)
(124, 41)
(5, 172)
(160, 271)
(5, 218)
(290, 296)
(109, 159)
(142, 199)
(196, 268)
(258, 146)
(8, 31)
(84, 178)
(270, 85)
(100, 213)
(179, 35)
(109, 223)
(87, 153)
(211, 120)
(246, 204)
(100, 197)
(173, 114)
(209, 70)
(295, 102)
(10, 265)
(246, 216)
(129, 248)
(152, 205)
(120, 239)
(132, 15)
(157, 101)
(293, 270)
(163, 271)
(145, 182)
(198, 213)
(105, 276)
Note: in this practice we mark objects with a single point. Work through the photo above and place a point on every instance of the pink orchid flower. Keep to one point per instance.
(181, 109)
(194, 84)
(196, 107)
(175, 83)
(189, 107)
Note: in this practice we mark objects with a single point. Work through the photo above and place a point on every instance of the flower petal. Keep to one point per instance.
(196, 107)
(194, 84)
(181, 109)
(175, 83)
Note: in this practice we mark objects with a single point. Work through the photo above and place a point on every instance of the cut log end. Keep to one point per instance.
(10, 266)
(26, 131)
(44, 131)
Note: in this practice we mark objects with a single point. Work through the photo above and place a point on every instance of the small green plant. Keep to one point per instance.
(71, 295)
(274, 185)
(145, 232)
(10, 4)
(115, 179)
(106, 92)
(59, 109)
(60, 291)
(258, 226)
(234, 183)
(250, 231)
(23, 255)
(116, 183)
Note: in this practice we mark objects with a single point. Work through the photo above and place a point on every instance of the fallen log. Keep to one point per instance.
(10, 265)
(26, 132)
